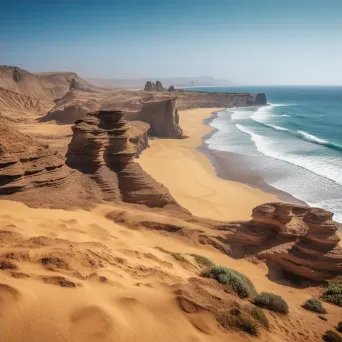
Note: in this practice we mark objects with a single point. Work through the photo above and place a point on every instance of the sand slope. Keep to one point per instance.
(77, 276)
(191, 178)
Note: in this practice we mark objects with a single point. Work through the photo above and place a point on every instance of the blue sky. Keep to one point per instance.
(246, 41)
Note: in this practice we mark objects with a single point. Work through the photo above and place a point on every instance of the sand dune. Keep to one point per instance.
(78, 276)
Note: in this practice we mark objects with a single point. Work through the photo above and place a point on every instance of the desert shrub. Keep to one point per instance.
(260, 316)
(272, 302)
(331, 336)
(334, 294)
(339, 327)
(202, 260)
(239, 321)
(314, 305)
(163, 250)
(238, 282)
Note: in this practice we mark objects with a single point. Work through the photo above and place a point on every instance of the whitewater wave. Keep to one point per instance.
(260, 116)
(319, 167)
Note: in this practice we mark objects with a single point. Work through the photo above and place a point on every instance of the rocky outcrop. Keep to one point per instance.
(198, 99)
(257, 100)
(300, 240)
(26, 164)
(171, 88)
(101, 149)
(163, 118)
(151, 86)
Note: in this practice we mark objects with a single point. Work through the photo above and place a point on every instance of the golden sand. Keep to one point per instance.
(192, 179)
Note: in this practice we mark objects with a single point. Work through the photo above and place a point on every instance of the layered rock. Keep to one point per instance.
(163, 118)
(26, 164)
(138, 135)
(101, 148)
(298, 239)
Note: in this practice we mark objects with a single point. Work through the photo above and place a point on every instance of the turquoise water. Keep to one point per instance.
(295, 143)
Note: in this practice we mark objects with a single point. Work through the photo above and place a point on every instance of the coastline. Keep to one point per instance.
(192, 178)
(233, 167)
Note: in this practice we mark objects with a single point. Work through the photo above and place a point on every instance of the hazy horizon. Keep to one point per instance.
(246, 43)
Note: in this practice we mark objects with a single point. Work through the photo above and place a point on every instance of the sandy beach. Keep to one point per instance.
(191, 177)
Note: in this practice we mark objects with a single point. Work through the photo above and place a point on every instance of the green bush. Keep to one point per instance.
(334, 294)
(272, 302)
(331, 336)
(202, 260)
(339, 327)
(260, 316)
(239, 321)
(314, 305)
(238, 282)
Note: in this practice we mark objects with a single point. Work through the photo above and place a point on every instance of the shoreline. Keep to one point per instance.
(192, 178)
(233, 167)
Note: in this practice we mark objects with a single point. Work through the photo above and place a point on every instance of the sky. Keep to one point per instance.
(252, 42)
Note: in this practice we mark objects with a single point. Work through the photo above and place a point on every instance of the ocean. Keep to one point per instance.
(295, 143)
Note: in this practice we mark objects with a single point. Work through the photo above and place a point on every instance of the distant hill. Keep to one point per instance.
(23, 94)
(175, 81)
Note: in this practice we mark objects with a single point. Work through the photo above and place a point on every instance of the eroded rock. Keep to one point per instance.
(300, 240)
(162, 115)
(101, 148)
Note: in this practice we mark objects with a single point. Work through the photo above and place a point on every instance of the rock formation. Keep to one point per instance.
(100, 148)
(138, 135)
(151, 86)
(300, 240)
(171, 88)
(26, 164)
(163, 118)
(159, 86)
(257, 100)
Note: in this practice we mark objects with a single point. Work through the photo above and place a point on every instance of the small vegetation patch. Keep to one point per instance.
(314, 305)
(339, 327)
(271, 302)
(202, 260)
(259, 315)
(331, 336)
(334, 294)
(240, 321)
(177, 256)
(237, 281)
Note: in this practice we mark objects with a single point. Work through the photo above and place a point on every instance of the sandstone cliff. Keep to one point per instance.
(35, 174)
(100, 148)
(299, 240)
(163, 118)
(25, 164)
